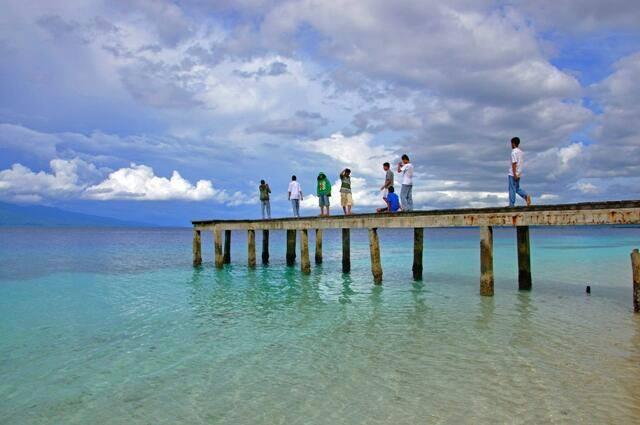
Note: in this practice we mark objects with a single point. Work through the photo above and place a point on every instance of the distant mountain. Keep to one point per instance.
(36, 215)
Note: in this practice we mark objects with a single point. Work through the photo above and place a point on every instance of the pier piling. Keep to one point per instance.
(265, 247)
(635, 265)
(346, 250)
(251, 248)
(524, 258)
(374, 248)
(318, 246)
(217, 244)
(305, 264)
(486, 261)
(418, 246)
(227, 247)
(291, 247)
(197, 248)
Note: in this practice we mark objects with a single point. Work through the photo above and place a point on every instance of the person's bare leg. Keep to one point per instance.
(344, 210)
(348, 209)
(528, 200)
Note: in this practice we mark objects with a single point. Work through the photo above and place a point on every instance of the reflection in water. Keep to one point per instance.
(418, 315)
(485, 315)
(376, 307)
(346, 292)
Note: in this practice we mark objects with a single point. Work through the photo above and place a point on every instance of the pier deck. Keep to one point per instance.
(591, 213)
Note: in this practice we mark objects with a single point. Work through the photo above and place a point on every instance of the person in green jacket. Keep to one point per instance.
(323, 192)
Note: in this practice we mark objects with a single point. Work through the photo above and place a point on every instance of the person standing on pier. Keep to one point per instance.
(323, 192)
(295, 195)
(515, 174)
(346, 199)
(265, 190)
(388, 181)
(406, 197)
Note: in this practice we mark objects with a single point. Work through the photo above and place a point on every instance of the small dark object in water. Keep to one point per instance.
(588, 290)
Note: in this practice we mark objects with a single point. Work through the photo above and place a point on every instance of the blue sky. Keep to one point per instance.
(163, 111)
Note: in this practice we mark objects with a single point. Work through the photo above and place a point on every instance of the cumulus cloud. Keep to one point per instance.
(357, 152)
(66, 179)
(139, 182)
(78, 179)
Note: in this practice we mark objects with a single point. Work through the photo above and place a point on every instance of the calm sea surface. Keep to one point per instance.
(114, 326)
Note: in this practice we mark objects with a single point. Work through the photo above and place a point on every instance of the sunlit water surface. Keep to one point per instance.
(115, 327)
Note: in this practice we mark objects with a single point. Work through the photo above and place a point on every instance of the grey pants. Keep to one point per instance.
(295, 204)
(406, 198)
(266, 206)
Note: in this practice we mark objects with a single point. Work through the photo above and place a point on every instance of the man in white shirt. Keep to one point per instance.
(515, 173)
(295, 195)
(406, 168)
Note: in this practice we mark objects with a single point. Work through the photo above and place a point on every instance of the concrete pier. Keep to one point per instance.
(520, 218)
(418, 246)
(217, 247)
(227, 247)
(374, 248)
(486, 261)
(346, 251)
(305, 264)
(291, 247)
(251, 248)
(197, 248)
(265, 247)
(524, 258)
(318, 255)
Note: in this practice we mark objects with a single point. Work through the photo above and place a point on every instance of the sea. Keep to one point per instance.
(115, 326)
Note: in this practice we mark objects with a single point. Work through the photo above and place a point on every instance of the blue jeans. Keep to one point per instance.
(514, 187)
(406, 198)
(295, 204)
(266, 206)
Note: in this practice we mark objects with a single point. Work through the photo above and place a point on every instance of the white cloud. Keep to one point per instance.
(21, 184)
(75, 178)
(139, 182)
(356, 152)
(586, 187)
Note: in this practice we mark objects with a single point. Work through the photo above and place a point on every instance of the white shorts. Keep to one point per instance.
(384, 193)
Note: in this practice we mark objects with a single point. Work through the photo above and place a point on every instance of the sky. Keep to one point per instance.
(165, 111)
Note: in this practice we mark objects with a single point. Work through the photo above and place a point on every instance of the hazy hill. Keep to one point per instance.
(36, 215)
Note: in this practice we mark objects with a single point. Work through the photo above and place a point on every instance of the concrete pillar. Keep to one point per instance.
(217, 243)
(635, 266)
(197, 248)
(291, 247)
(486, 261)
(318, 246)
(374, 248)
(524, 258)
(346, 250)
(418, 246)
(265, 247)
(251, 248)
(227, 247)
(305, 264)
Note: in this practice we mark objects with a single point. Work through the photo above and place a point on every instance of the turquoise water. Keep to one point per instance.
(115, 327)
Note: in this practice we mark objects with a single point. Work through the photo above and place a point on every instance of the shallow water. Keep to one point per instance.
(114, 326)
